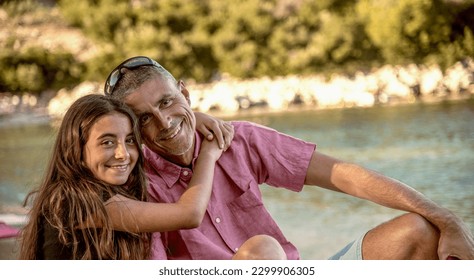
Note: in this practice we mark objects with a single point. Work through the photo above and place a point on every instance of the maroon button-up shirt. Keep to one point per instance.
(257, 155)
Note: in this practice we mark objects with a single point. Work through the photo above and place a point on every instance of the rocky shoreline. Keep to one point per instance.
(388, 85)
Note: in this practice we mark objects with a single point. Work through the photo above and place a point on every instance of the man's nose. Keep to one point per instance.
(162, 120)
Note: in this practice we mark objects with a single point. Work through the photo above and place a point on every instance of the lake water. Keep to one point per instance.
(428, 146)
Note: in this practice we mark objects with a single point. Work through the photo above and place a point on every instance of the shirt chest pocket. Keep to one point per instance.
(251, 216)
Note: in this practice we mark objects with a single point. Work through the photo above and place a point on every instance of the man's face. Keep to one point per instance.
(166, 119)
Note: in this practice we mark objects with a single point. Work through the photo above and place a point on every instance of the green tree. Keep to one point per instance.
(35, 69)
(197, 39)
(243, 28)
(405, 30)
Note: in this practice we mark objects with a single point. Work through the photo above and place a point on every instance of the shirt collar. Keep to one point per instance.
(168, 171)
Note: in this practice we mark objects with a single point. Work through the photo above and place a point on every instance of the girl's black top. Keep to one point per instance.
(51, 248)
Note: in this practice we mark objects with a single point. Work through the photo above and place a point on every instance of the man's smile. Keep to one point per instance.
(171, 133)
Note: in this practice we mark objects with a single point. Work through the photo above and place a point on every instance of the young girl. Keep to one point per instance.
(92, 201)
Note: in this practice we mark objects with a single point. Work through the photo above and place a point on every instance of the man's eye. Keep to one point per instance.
(166, 103)
(145, 119)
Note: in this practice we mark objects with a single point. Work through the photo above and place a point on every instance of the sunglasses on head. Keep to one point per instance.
(130, 63)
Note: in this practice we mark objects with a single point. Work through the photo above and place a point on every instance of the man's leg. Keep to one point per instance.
(409, 236)
(260, 247)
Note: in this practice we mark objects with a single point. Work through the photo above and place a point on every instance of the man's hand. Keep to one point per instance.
(212, 127)
(456, 241)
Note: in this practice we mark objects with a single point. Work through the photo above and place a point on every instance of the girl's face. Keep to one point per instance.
(111, 151)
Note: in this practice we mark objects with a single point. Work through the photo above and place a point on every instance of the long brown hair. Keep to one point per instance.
(71, 199)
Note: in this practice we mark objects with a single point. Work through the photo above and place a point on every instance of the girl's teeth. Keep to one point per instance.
(120, 167)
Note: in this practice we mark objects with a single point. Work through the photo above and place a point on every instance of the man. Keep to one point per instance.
(261, 155)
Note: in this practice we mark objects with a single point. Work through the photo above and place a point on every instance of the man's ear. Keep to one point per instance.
(184, 91)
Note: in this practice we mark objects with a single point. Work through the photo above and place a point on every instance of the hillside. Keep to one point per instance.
(44, 26)
(38, 26)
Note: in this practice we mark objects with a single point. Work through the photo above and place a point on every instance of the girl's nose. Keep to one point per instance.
(121, 152)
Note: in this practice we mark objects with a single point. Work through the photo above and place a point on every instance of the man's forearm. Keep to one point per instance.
(370, 185)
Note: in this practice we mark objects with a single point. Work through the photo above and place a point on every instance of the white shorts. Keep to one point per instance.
(352, 251)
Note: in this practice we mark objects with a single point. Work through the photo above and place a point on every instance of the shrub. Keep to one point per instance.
(36, 69)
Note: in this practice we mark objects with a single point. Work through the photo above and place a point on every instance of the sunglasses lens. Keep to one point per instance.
(137, 61)
(130, 64)
(114, 78)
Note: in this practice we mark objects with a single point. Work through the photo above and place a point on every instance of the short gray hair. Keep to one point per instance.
(132, 79)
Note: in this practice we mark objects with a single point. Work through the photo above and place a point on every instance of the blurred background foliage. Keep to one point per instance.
(202, 39)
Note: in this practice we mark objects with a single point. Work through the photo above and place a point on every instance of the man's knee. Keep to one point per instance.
(418, 228)
(409, 236)
(260, 247)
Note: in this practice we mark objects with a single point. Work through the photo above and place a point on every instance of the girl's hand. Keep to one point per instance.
(214, 128)
(210, 150)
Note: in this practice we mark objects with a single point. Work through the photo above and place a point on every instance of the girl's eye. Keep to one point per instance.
(107, 143)
(130, 141)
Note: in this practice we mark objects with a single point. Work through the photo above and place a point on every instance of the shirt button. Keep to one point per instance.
(236, 249)
(218, 220)
(185, 173)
